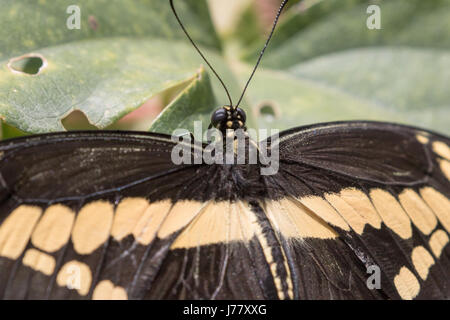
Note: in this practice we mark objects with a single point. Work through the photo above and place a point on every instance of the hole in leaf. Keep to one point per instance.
(141, 118)
(93, 23)
(31, 64)
(9, 132)
(268, 110)
(77, 120)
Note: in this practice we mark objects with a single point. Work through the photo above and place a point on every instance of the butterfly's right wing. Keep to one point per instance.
(377, 192)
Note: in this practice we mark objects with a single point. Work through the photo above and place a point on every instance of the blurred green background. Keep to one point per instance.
(129, 66)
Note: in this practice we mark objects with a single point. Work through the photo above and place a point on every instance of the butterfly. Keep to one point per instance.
(356, 210)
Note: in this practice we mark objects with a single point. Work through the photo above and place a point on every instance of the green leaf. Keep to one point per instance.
(336, 25)
(402, 78)
(195, 103)
(249, 22)
(105, 86)
(324, 64)
(30, 25)
(388, 84)
(105, 70)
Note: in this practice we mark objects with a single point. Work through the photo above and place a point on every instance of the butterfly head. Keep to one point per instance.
(228, 117)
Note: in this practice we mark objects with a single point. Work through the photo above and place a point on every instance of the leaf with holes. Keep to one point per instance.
(122, 55)
(105, 86)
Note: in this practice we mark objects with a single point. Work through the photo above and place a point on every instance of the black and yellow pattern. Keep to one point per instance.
(114, 208)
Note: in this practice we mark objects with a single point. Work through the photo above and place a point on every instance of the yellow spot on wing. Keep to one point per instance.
(213, 225)
(39, 261)
(445, 167)
(16, 230)
(295, 220)
(105, 290)
(281, 220)
(92, 226)
(441, 149)
(422, 261)
(347, 212)
(53, 230)
(420, 214)
(439, 204)
(240, 212)
(359, 201)
(179, 216)
(406, 283)
(422, 139)
(394, 217)
(75, 275)
(325, 211)
(219, 222)
(438, 240)
(128, 213)
(145, 230)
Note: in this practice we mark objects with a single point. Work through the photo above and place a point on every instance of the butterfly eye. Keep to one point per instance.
(240, 114)
(218, 117)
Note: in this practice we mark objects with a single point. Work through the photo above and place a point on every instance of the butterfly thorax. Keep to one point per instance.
(239, 164)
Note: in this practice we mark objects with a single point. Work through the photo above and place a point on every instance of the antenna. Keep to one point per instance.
(198, 50)
(262, 51)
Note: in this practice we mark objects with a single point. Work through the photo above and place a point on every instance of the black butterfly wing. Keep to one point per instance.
(375, 191)
(94, 215)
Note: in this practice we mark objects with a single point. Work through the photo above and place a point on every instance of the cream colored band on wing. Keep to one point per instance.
(106, 290)
(75, 275)
(128, 214)
(138, 217)
(445, 168)
(355, 208)
(352, 208)
(422, 261)
(39, 261)
(441, 149)
(223, 223)
(392, 213)
(420, 214)
(406, 283)
(362, 205)
(53, 229)
(422, 138)
(293, 219)
(92, 226)
(16, 229)
(438, 241)
(439, 204)
(180, 215)
(219, 222)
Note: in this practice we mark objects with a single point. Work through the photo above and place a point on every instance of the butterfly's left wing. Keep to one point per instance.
(376, 192)
(109, 215)
(58, 197)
